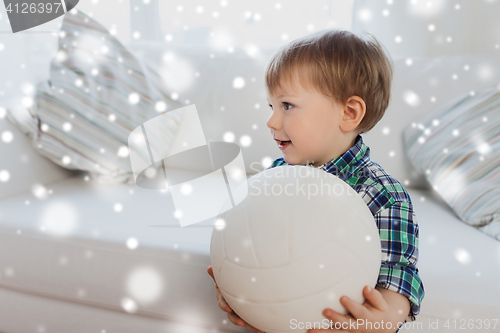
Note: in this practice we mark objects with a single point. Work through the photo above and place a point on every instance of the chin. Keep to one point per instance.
(287, 160)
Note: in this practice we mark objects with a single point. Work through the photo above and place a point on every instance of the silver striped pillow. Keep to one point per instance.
(457, 148)
(97, 94)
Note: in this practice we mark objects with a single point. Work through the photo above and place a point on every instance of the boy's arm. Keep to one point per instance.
(399, 231)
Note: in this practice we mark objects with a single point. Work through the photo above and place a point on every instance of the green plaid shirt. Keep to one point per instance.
(392, 209)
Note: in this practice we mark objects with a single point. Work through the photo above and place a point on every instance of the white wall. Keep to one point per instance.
(460, 27)
(259, 22)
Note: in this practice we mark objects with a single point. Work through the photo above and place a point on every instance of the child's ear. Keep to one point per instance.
(352, 114)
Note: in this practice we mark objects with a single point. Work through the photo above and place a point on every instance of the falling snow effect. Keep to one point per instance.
(181, 74)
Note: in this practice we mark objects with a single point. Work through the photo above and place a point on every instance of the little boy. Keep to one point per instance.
(324, 90)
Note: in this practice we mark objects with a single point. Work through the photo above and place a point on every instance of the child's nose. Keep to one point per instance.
(274, 121)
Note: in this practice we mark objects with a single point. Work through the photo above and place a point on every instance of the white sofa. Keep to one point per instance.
(83, 280)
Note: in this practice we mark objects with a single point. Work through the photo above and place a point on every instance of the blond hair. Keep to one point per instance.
(339, 64)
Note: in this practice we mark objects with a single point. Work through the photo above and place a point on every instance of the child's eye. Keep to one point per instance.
(285, 104)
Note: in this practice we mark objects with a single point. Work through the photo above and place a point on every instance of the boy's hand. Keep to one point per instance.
(233, 317)
(375, 309)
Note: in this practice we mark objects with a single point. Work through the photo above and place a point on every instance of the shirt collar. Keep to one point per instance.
(345, 164)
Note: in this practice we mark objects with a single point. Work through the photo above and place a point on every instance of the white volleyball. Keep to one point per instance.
(300, 240)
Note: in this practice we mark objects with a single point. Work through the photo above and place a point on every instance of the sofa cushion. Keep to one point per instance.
(97, 94)
(421, 85)
(457, 148)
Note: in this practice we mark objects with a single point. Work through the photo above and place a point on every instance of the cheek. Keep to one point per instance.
(310, 132)
(297, 133)
(327, 127)
(300, 126)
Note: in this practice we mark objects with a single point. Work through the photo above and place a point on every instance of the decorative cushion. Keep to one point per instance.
(97, 94)
(457, 148)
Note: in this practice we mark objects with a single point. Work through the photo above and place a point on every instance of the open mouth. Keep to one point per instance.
(284, 144)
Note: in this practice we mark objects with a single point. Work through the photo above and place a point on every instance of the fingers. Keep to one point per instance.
(355, 309)
(235, 319)
(211, 272)
(222, 302)
(376, 299)
(220, 299)
(339, 320)
(252, 329)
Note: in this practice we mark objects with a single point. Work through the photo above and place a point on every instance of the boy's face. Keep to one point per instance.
(310, 121)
